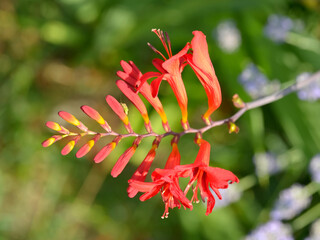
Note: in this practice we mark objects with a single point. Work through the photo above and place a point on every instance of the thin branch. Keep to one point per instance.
(249, 105)
(264, 101)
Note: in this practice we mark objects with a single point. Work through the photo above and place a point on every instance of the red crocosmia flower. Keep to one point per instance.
(166, 182)
(132, 75)
(206, 176)
(201, 64)
(170, 70)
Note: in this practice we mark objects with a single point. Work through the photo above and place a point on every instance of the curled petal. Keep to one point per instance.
(158, 65)
(220, 178)
(155, 85)
(145, 77)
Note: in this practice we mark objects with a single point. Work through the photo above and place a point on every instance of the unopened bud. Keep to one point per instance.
(197, 138)
(237, 101)
(233, 127)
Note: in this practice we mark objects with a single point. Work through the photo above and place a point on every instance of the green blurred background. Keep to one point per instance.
(61, 54)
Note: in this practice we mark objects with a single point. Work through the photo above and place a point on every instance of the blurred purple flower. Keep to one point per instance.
(228, 36)
(255, 83)
(278, 27)
(312, 91)
(314, 168)
(314, 231)
(266, 164)
(291, 202)
(273, 230)
(230, 195)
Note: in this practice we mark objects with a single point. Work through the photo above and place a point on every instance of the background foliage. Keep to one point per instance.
(61, 54)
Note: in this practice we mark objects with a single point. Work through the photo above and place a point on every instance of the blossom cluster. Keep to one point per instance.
(133, 84)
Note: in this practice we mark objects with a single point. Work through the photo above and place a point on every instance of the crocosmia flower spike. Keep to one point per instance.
(133, 84)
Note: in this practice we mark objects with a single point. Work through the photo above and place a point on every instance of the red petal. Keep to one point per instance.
(155, 85)
(174, 157)
(145, 77)
(203, 156)
(177, 192)
(135, 69)
(151, 193)
(219, 178)
(126, 66)
(172, 65)
(210, 205)
(202, 66)
(142, 186)
(158, 64)
(200, 53)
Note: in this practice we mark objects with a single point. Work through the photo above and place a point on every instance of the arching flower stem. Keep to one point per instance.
(247, 106)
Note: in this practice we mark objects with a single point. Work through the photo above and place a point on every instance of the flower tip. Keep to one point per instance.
(48, 142)
(53, 125)
(68, 148)
(68, 117)
(132, 192)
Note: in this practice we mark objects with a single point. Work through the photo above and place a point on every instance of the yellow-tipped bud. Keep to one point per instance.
(237, 101)
(233, 127)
